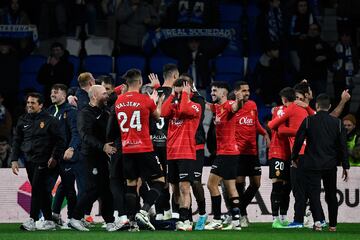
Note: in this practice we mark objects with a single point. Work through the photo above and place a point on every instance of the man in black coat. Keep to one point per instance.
(38, 137)
(325, 144)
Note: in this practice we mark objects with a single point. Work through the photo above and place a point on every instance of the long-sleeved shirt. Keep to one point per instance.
(184, 119)
(326, 142)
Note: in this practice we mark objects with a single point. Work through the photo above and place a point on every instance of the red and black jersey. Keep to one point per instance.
(247, 128)
(289, 123)
(184, 117)
(225, 129)
(133, 112)
(279, 145)
(200, 132)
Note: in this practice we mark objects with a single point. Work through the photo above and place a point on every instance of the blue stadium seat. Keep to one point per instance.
(252, 62)
(76, 63)
(98, 64)
(157, 63)
(124, 63)
(230, 12)
(253, 10)
(230, 64)
(29, 68)
(230, 78)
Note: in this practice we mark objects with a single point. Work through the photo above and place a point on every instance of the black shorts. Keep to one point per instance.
(249, 165)
(144, 165)
(180, 171)
(279, 169)
(161, 153)
(198, 164)
(225, 166)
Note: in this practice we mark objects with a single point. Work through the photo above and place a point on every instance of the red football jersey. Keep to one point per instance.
(279, 145)
(133, 112)
(225, 129)
(293, 116)
(247, 127)
(184, 119)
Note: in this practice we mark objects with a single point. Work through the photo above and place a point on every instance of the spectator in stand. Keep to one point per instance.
(346, 65)
(57, 69)
(9, 68)
(5, 150)
(192, 14)
(134, 18)
(53, 19)
(268, 75)
(5, 120)
(353, 142)
(270, 24)
(14, 15)
(316, 56)
(299, 28)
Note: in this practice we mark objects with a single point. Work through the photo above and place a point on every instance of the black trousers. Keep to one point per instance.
(296, 176)
(312, 185)
(329, 178)
(39, 176)
(97, 185)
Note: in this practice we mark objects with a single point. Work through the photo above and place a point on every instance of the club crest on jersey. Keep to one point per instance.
(252, 112)
(42, 124)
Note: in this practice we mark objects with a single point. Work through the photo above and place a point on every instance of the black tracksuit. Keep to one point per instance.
(91, 123)
(325, 145)
(38, 136)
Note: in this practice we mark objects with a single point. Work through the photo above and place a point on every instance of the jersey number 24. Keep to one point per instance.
(135, 122)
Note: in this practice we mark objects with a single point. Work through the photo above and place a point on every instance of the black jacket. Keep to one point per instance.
(325, 142)
(91, 123)
(200, 132)
(39, 137)
(67, 118)
(83, 98)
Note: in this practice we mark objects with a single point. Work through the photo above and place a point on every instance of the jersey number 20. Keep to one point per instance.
(134, 121)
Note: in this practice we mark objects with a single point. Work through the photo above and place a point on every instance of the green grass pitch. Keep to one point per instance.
(256, 231)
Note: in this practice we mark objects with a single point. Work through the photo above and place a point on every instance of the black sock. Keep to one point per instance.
(166, 197)
(240, 187)
(175, 206)
(246, 199)
(184, 214)
(153, 194)
(235, 211)
(131, 201)
(190, 214)
(285, 200)
(216, 206)
(276, 198)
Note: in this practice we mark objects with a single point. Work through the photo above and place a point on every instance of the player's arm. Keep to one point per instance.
(238, 103)
(167, 108)
(299, 140)
(16, 144)
(306, 106)
(286, 131)
(277, 121)
(187, 108)
(345, 97)
(112, 128)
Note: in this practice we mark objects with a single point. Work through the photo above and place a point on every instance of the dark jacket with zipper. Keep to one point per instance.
(38, 136)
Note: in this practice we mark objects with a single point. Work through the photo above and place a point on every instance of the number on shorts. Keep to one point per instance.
(279, 165)
(134, 121)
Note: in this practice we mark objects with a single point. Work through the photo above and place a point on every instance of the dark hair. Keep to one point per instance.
(4, 139)
(221, 84)
(60, 86)
(323, 101)
(288, 93)
(302, 87)
(57, 44)
(37, 95)
(179, 82)
(191, 80)
(106, 79)
(239, 84)
(132, 76)
(168, 69)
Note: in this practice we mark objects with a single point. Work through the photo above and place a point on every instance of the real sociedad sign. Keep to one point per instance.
(19, 31)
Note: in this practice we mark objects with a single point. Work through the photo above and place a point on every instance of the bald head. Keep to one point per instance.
(98, 95)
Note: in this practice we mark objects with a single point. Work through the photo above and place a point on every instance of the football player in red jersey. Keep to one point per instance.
(184, 117)
(246, 129)
(133, 111)
(226, 161)
(279, 165)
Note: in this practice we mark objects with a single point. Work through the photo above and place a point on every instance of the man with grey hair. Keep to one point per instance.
(91, 123)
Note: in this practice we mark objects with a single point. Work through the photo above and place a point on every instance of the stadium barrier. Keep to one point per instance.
(15, 195)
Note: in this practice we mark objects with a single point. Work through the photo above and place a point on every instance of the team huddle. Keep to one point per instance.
(151, 139)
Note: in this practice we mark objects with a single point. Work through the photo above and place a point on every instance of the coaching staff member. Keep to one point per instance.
(38, 136)
(325, 144)
(91, 122)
